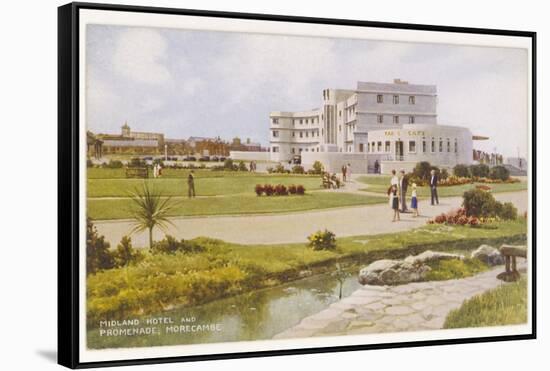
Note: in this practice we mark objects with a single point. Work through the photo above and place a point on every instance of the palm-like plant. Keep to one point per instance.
(151, 210)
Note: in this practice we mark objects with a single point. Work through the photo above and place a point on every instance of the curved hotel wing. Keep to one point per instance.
(394, 124)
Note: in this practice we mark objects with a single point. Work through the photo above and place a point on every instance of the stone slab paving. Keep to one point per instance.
(412, 307)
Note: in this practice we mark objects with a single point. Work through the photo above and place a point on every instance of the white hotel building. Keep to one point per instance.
(394, 123)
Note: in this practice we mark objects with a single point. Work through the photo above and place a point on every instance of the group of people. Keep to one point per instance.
(397, 193)
(330, 180)
(346, 172)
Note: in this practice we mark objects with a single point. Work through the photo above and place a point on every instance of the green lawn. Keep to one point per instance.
(207, 183)
(226, 269)
(380, 184)
(505, 305)
(101, 209)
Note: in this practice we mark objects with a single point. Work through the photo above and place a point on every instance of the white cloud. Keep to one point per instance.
(139, 56)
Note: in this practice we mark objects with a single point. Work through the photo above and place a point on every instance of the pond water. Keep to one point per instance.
(252, 316)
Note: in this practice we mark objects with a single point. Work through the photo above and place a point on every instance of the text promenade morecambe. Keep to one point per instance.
(152, 326)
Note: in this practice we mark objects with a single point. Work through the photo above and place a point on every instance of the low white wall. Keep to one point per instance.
(333, 161)
(249, 156)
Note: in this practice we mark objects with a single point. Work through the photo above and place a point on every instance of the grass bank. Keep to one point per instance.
(163, 281)
(104, 209)
(505, 305)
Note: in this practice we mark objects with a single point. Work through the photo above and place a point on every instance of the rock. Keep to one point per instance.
(392, 272)
(429, 256)
(489, 255)
(397, 272)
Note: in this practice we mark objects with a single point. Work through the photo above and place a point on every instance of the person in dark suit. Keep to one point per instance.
(403, 187)
(433, 187)
(191, 185)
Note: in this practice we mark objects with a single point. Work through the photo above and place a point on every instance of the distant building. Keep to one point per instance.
(394, 124)
(517, 162)
(132, 142)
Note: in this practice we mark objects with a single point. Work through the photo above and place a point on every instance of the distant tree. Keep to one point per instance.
(422, 170)
(479, 170)
(318, 167)
(499, 172)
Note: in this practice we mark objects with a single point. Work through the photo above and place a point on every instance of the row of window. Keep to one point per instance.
(313, 133)
(380, 119)
(293, 150)
(312, 120)
(377, 146)
(380, 99)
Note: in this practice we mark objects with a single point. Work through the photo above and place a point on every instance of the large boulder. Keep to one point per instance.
(489, 255)
(392, 272)
(430, 256)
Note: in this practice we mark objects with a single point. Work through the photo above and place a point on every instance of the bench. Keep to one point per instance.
(137, 172)
(510, 253)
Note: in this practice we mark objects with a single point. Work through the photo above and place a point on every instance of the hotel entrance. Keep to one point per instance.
(399, 150)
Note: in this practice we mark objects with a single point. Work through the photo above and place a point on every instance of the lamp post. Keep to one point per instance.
(166, 152)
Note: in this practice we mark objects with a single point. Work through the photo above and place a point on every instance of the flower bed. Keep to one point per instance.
(279, 190)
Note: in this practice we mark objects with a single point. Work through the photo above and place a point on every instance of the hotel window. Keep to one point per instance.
(340, 113)
(456, 146)
(301, 121)
(440, 145)
(275, 149)
(388, 144)
(275, 121)
(361, 147)
(293, 150)
(301, 135)
(433, 145)
(379, 98)
(396, 99)
(412, 99)
(379, 148)
(412, 146)
(372, 147)
(328, 94)
(380, 119)
(293, 134)
(307, 121)
(301, 149)
(368, 147)
(396, 119)
(411, 119)
(275, 134)
(423, 146)
(448, 145)
(307, 149)
(307, 134)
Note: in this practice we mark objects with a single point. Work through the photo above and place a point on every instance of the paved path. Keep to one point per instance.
(411, 307)
(295, 227)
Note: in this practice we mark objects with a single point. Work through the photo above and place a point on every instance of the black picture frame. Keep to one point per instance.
(68, 181)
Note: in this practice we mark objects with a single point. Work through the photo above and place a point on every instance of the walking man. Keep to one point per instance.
(403, 186)
(344, 169)
(191, 185)
(433, 187)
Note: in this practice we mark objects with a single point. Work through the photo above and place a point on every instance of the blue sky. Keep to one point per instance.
(202, 83)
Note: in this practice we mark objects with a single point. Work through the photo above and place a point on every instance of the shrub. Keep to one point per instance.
(125, 254)
(300, 190)
(462, 171)
(242, 166)
(113, 164)
(443, 174)
(169, 245)
(318, 168)
(259, 189)
(228, 164)
(292, 189)
(89, 163)
(508, 211)
(479, 203)
(422, 170)
(499, 172)
(480, 170)
(98, 255)
(298, 169)
(268, 189)
(137, 162)
(280, 190)
(322, 240)
(270, 169)
(279, 169)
